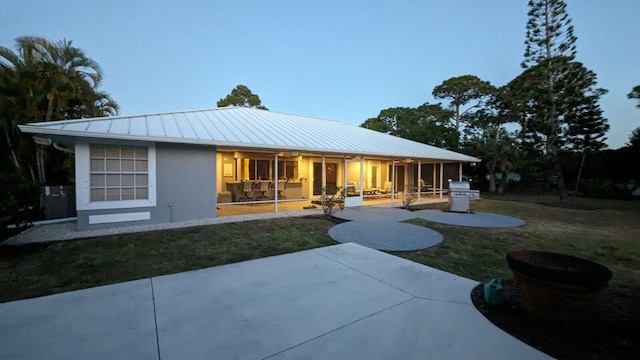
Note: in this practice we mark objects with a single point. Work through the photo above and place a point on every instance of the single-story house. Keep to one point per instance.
(158, 168)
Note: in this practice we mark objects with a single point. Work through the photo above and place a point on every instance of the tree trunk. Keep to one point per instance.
(575, 188)
(552, 137)
(12, 152)
(40, 149)
(504, 179)
(50, 107)
(33, 176)
(40, 163)
(492, 179)
(557, 171)
(562, 192)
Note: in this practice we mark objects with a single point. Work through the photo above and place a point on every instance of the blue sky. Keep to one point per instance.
(341, 60)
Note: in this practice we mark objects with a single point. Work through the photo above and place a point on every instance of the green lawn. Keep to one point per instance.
(603, 234)
(41, 269)
(608, 233)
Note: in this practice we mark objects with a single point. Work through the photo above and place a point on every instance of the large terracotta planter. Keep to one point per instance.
(556, 289)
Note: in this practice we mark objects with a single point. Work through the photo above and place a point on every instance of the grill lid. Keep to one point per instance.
(459, 185)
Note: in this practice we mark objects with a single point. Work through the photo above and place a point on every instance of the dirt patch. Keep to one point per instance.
(610, 333)
(333, 219)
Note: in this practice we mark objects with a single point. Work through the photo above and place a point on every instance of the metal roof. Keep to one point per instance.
(241, 127)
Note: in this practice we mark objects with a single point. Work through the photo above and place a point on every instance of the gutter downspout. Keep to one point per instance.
(63, 148)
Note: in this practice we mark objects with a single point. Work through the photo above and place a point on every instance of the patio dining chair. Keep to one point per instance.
(263, 187)
(247, 189)
(282, 186)
(423, 186)
(386, 189)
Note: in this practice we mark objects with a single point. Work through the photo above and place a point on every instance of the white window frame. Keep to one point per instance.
(83, 181)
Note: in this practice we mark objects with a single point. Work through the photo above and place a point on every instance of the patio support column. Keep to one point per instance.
(459, 171)
(361, 177)
(277, 176)
(393, 180)
(434, 181)
(441, 178)
(344, 177)
(324, 172)
(419, 177)
(245, 169)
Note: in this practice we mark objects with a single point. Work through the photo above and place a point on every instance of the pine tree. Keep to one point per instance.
(557, 91)
(586, 128)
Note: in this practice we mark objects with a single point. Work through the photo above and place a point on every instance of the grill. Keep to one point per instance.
(459, 196)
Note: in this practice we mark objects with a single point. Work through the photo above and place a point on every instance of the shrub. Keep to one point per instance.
(19, 202)
(604, 189)
(332, 200)
(409, 196)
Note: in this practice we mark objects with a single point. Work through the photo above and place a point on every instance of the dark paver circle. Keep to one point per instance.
(369, 213)
(476, 219)
(386, 235)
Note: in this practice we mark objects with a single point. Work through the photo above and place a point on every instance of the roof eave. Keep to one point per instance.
(40, 130)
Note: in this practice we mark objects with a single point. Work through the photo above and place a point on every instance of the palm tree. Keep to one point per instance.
(90, 102)
(46, 81)
(18, 104)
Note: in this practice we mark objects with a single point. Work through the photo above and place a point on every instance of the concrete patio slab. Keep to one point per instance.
(476, 219)
(106, 322)
(259, 308)
(417, 329)
(386, 235)
(344, 301)
(413, 278)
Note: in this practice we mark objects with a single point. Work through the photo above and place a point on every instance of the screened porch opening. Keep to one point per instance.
(257, 181)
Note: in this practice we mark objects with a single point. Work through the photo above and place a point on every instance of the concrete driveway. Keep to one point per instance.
(338, 302)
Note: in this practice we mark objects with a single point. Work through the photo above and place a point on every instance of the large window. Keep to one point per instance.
(115, 176)
(264, 169)
(119, 173)
(288, 169)
(259, 170)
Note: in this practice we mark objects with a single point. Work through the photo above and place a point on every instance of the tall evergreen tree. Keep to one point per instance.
(586, 127)
(634, 139)
(554, 89)
(635, 94)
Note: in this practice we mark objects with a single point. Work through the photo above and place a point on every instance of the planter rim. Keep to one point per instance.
(559, 268)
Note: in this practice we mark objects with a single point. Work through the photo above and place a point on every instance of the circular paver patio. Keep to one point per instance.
(476, 219)
(385, 235)
(375, 213)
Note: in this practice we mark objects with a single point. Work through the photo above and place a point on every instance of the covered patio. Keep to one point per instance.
(245, 208)
(247, 180)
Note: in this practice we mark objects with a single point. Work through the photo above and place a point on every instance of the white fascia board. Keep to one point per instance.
(456, 157)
